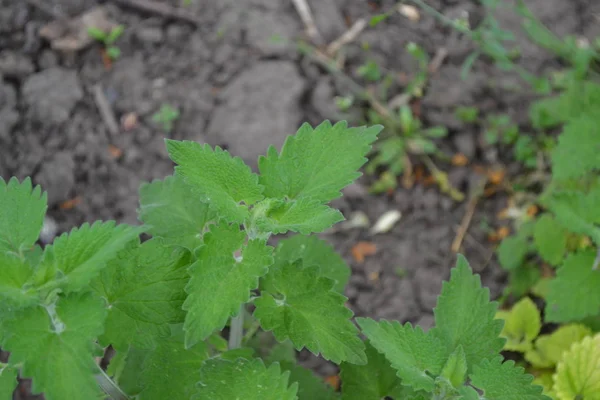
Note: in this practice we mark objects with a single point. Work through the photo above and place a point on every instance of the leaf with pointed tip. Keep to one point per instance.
(219, 283)
(416, 355)
(550, 239)
(219, 179)
(144, 288)
(549, 348)
(14, 274)
(64, 335)
(578, 374)
(244, 379)
(464, 312)
(22, 210)
(8, 381)
(522, 325)
(455, 369)
(304, 308)
(316, 163)
(171, 211)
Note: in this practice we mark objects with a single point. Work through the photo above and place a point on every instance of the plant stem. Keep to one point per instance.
(109, 387)
(251, 331)
(236, 330)
(441, 17)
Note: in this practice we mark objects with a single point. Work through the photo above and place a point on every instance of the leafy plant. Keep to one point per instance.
(166, 117)
(165, 304)
(108, 39)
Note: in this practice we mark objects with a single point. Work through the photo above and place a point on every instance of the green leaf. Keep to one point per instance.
(577, 212)
(413, 353)
(22, 210)
(313, 251)
(512, 252)
(171, 211)
(304, 215)
(578, 374)
(522, 324)
(464, 312)
(63, 333)
(574, 294)
(115, 33)
(316, 163)
(372, 381)
(523, 279)
(126, 369)
(310, 387)
(549, 349)
(170, 371)
(244, 379)
(8, 381)
(455, 369)
(578, 150)
(377, 19)
(550, 239)
(144, 289)
(14, 274)
(217, 178)
(97, 34)
(505, 381)
(74, 259)
(306, 310)
(219, 282)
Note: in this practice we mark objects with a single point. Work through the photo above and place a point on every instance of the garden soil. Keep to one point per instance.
(234, 73)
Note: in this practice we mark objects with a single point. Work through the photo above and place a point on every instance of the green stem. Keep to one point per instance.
(251, 331)
(236, 331)
(109, 387)
(441, 17)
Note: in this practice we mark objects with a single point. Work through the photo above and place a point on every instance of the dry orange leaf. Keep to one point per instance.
(503, 232)
(532, 210)
(69, 204)
(114, 151)
(333, 381)
(374, 276)
(496, 176)
(129, 121)
(362, 249)
(459, 160)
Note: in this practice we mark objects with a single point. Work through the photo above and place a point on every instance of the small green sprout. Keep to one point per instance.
(108, 39)
(370, 71)
(467, 114)
(166, 117)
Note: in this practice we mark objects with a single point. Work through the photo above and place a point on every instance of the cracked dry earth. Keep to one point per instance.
(239, 83)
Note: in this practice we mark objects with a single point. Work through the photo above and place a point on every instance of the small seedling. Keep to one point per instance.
(108, 39)
(166, 117)
(370, 71)
(467, 114)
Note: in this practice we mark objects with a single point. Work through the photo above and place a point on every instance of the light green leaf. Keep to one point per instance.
(171, 211)
(522, 324)
(126, 370)
(306, 310)
(14, 274)
(244, 379)
(505, 381)
(144, 289)
(416, 355)
(372, 381)
(170, 371)
(512, 252)
(577, 212)
(22, 210)
(549, 349)
(464, 312)
(550, 239)
(455, 369)
(573, 294)
(217, 178)
(304, 215)
(219, 283)
(64, 335)
(316, 163)
(578, 374)
(578, 150)
(313, 251)
(8, 381)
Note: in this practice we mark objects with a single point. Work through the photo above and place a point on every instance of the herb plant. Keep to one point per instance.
(164, 305)
(108, 39)
(166, 117)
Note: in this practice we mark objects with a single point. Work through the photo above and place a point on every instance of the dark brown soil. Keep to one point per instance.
(239, 83)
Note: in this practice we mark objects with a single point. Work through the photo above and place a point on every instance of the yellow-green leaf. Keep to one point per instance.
(549, 349)
(578, 374)
(522, 325)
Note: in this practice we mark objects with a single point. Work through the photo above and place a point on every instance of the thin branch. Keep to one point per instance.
(161, 9)
(307, 19)
(106, 111)
(236, 329)
(347, 36)
(466, 221)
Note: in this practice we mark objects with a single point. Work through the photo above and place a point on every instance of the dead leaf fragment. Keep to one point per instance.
(129, 121)
(333, 381)
(362, 249)
(532, 210)
(386, 222)
(70, 204)
(496, 176)
(114, 151)
(373, 276)
(459, 160)
(410, 12)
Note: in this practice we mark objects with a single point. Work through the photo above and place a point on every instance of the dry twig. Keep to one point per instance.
(347, 36)
(106, 111)
(307, 19)
(466, 221)
(161, 9)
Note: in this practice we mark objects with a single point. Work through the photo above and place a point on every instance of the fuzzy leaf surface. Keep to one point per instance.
(144, 288)
(217, 178)
(8, 381)
(172, 212)
(14, 274)
(522, 325)
(305, 216)
(77, 257)
(578, 374)
(244, 379)
(411, 351)
(67, 368)
(550, 239)
(303, 307)
(170, 371)
(372, 381)
(573, 293)
(578, 150)
(316, 163)
(578, 212)
(312, 251)
(505, 381)
(512, 252)
(549, 349)
(464, 312)
(219, 283)
(22, 210)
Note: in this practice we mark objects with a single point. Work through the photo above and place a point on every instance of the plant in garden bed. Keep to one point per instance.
(165, 304)
(166, 117)
(108, 39)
